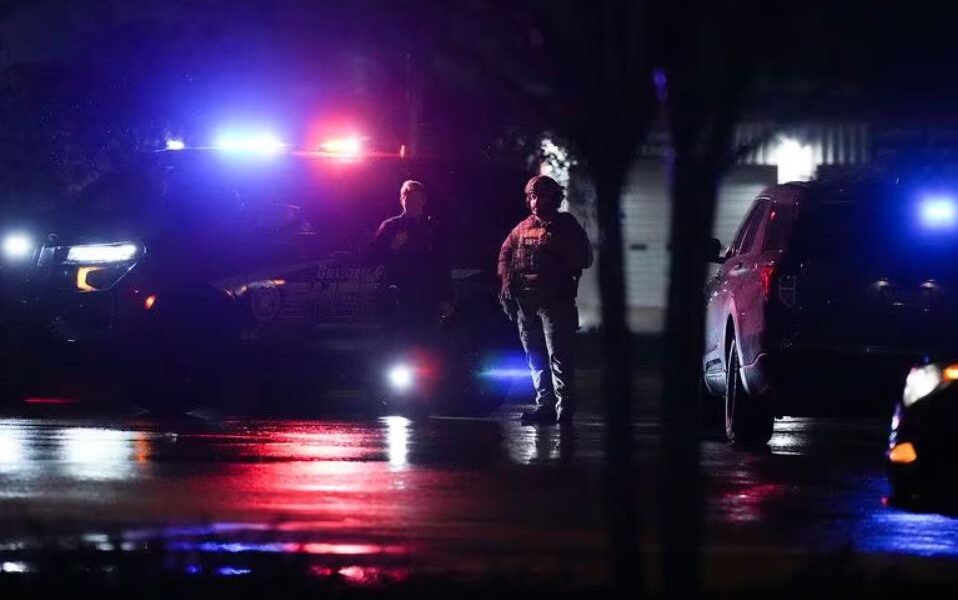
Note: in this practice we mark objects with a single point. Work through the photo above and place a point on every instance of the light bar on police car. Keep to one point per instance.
(102, 253)
(257, 143)
(347, 147)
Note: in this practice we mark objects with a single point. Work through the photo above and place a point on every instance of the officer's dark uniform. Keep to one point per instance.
(417, 274)
(543, 261)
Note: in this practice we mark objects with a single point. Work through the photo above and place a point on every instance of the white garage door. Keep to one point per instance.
(646, 212)
(739, 189)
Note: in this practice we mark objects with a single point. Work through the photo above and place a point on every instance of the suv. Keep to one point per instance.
(827, 294)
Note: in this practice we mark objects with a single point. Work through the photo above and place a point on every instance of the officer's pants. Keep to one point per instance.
(547, 329)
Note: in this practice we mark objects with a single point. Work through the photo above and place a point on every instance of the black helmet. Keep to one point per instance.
(543, 185)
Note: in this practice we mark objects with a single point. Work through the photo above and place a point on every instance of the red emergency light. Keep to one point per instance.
(346, 147)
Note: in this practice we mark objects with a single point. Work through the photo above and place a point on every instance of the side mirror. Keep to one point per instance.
(714, 251)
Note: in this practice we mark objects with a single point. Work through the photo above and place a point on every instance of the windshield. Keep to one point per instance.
(129, 193)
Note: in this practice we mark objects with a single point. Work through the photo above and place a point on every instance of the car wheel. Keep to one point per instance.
(189, 360)
(748, 418)
(904, 488)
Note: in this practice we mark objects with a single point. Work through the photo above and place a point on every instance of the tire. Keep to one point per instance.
(749, 419)
(904, 486)
(190, 354)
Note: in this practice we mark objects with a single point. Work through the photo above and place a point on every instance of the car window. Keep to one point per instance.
(874, 227)
(780, 219)
(737, 240)
(851, 228)
(745, 238)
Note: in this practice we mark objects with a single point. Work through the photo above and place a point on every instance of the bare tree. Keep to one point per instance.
(592, 71)
(580, 69)
(705, 70)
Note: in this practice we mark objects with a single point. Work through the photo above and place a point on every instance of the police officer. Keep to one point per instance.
(539, 268)
(417, 283)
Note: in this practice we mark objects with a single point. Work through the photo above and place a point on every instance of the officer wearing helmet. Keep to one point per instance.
(540, 263)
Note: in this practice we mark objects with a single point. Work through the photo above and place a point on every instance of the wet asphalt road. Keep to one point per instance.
(393, 496)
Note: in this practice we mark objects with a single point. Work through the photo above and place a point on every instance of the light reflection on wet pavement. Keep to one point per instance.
(380, 497)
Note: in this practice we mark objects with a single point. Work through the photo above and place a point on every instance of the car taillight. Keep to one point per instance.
(787, 288)
(786, 285)
(768, 274)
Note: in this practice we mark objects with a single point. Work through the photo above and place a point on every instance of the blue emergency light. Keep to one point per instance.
(938, 212)
(256, 142)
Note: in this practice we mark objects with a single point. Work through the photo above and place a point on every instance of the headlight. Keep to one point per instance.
(401, 377)
(921, 382)
(102, 253)
(18, 246)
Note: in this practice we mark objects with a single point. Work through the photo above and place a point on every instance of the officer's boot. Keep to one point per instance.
(543, 413)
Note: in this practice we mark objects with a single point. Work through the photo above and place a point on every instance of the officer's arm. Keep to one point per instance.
(380, 244)
(578, 249)
(505, 257)
(584, 247)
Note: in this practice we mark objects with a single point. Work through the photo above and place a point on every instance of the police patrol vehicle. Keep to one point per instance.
(213, 263)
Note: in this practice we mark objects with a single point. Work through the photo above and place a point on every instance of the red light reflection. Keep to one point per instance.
(351, 549)
(372, 575)
(50, 401)
(362, 575)
(746, 504)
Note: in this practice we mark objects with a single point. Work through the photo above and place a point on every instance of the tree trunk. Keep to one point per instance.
(621, 509)
(694, 190)
(414, 92)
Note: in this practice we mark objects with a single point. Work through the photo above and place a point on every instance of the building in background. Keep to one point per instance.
(770, 154)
